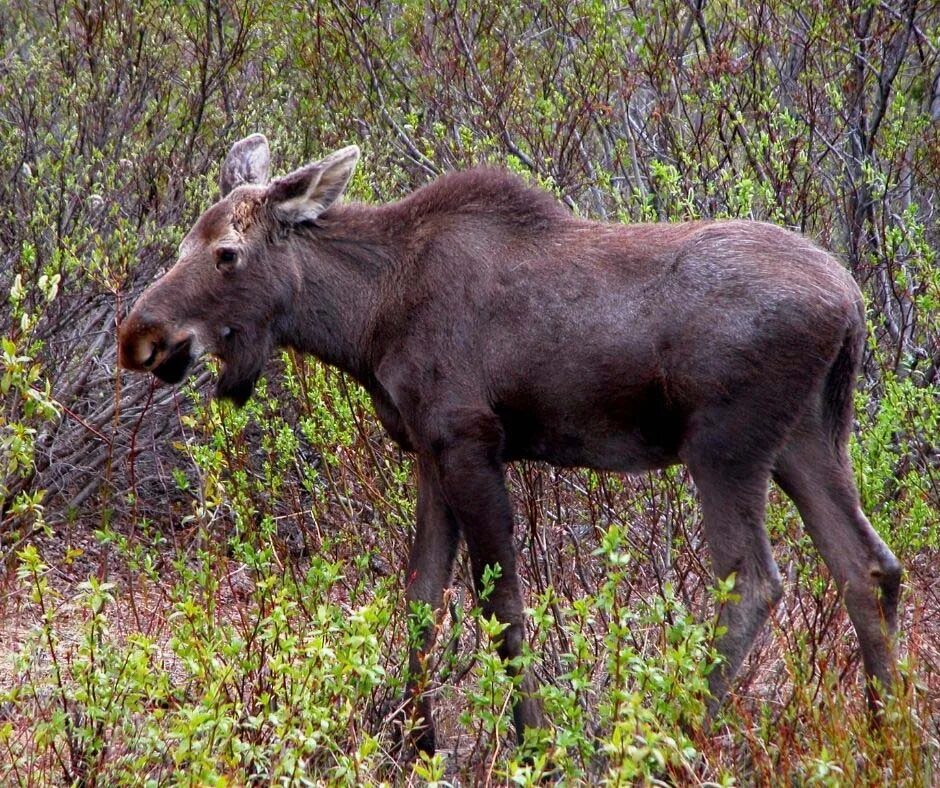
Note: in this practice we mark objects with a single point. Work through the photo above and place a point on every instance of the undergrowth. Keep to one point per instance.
(193, 594)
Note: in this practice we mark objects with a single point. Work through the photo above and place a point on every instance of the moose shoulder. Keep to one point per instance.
(489, 324)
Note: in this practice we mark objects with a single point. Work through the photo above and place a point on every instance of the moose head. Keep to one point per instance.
(232, 290)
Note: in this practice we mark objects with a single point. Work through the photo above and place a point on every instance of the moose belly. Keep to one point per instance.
(641, 434)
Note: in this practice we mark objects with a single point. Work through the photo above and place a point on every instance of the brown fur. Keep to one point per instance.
(488, 325)
(245, 213)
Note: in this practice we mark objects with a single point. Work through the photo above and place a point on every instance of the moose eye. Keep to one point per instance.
(225, 260)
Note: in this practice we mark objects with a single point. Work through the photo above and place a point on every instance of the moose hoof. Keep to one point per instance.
(422, 740)
(416, 740)
(411, 734)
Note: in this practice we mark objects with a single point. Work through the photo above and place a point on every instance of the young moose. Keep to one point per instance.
(489, 324)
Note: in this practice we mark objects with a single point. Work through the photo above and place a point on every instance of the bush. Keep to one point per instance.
(192, 591)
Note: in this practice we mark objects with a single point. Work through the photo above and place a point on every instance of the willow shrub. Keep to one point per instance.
(196, 594)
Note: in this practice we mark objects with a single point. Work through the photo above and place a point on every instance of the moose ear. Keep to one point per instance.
(306, 193)
(249, 161)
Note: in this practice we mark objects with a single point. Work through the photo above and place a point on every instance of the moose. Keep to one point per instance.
(490, 324)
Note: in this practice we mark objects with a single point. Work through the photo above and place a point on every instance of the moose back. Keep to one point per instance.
(489, 324)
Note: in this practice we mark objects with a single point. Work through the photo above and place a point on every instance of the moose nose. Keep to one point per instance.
(151, 357)
(140, 342)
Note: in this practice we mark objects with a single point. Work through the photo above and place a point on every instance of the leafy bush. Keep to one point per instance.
(193, 593)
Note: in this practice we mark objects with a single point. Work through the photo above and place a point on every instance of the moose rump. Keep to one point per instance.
(488, 324)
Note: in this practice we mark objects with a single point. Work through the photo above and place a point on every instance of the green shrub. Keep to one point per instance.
(195, 594)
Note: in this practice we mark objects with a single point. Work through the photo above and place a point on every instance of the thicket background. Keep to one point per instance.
(195, 594)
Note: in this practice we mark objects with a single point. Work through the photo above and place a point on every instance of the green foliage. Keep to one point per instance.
(218, 698)
(891, 451)
(200, 594)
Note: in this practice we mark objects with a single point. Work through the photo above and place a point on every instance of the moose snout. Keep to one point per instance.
(140, 341)
(146, 345)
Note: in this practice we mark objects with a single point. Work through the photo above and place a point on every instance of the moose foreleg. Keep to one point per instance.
(429, 570)
(474, 487)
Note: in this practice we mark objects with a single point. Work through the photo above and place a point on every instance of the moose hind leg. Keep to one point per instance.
(733, 504)
(817, 476)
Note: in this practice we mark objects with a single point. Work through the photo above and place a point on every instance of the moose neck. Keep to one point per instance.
(344, 258)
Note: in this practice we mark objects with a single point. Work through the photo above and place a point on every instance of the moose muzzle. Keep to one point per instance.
(146, 345)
